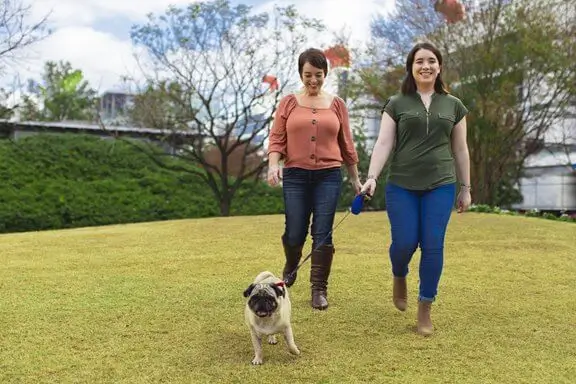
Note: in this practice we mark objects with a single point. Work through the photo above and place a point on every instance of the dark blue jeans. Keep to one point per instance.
(310, 193)
(419, 218)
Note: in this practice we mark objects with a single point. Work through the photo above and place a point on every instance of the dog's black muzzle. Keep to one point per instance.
(262, 305)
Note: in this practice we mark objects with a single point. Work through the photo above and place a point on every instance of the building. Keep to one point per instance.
(549, 182)
(114, 105)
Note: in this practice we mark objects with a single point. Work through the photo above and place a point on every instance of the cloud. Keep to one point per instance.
(353, 17)
(85, 12)
(102, 57)
(85, 33)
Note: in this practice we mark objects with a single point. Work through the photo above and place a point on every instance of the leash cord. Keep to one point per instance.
(317, 247)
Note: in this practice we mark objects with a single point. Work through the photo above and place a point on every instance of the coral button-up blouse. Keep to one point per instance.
(312, 138)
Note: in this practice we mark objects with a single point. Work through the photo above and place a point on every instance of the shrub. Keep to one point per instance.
(69, 180)
(530, 213)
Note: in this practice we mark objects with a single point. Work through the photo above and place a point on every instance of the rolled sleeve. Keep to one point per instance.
(345, 136)
(277, 137)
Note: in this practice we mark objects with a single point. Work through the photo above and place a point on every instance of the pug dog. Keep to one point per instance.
(268, 312)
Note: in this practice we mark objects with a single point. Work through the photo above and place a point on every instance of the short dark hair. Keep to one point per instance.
(409, 84)
(315, 57)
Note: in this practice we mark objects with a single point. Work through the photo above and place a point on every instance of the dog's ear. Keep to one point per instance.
(248, 290)
(279, 289)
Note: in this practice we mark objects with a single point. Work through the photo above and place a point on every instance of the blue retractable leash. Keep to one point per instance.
(355, 208)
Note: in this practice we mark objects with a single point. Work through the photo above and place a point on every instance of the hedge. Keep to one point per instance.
(562, 216)
(55, 181)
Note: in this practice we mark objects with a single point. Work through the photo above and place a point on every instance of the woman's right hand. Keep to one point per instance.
(369, 187)
(274, 175)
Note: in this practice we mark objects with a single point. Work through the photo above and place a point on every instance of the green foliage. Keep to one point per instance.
(485, 208)
(516, 80)
(506, 193)
(63, 95)
(163, 105)
(257, 199)
(65, 181)
(6, 111)
(378, 201)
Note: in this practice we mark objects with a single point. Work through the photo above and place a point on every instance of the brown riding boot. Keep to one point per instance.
(400, 293)
(293, 255)
(319, 273)
(425, 327)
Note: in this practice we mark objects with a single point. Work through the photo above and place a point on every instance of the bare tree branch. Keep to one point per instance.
(16, 31)
(217, 55)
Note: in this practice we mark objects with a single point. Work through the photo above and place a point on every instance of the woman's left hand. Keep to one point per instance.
(357, 185)
(464, 200)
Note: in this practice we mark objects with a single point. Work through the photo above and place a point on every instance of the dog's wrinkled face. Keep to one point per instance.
(264, 298)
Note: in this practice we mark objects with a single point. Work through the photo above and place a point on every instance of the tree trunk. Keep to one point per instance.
(225, 206)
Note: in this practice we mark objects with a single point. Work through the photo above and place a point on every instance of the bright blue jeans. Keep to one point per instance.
(419, 218)
(310, 193)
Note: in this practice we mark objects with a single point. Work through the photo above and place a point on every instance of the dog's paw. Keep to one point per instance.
(294, 350)
(257, 361)
(272, 340)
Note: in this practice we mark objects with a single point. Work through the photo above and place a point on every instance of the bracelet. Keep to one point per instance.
(371, 177)
(467, 186)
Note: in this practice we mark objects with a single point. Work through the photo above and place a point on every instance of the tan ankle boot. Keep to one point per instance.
(319, 272)
(425, 327)
(400, 293)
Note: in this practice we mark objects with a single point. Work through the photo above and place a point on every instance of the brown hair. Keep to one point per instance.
(315, 57)
(409, 84)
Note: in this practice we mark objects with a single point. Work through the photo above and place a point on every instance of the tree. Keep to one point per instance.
(511, 64)
(16, 34)
(231, 67)
(6, 112)
(379, 69)
(394, 34)
(158, 106)
(64, 95)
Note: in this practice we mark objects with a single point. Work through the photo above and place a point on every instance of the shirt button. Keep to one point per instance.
(314, 110)
(313, 121)
(312, 156)
(313, 138)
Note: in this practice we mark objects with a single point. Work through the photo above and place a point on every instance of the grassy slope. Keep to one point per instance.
(162, 302)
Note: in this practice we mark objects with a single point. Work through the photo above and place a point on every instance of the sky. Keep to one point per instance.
(93, 35)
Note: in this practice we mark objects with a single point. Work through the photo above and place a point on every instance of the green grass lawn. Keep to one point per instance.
(162, 303)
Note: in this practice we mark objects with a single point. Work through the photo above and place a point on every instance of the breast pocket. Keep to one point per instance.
(409, 123)
(447, 117)
(446, 122)
(406, 116)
